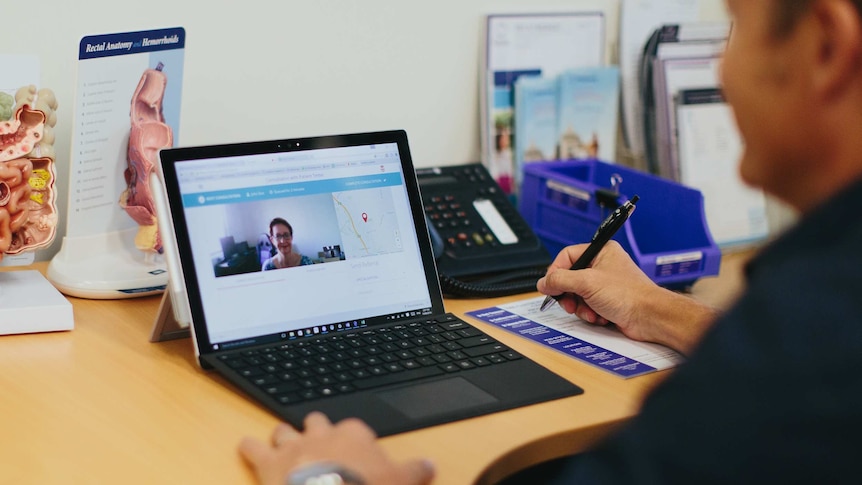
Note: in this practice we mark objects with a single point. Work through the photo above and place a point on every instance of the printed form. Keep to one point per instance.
(604, 347)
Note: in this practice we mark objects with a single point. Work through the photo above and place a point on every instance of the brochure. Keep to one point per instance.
(528, 44)
(589, 113)
(536, 107)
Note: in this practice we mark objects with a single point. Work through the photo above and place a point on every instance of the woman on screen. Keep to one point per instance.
(281, 235)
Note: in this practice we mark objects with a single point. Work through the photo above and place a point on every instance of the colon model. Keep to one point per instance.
(149, 133)
(28, 213)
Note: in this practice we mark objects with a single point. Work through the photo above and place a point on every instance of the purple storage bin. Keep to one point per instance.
(667, 234)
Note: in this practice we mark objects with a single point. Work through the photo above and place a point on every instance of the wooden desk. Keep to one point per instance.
(100, 404)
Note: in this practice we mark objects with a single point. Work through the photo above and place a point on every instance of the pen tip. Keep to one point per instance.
(635, 199)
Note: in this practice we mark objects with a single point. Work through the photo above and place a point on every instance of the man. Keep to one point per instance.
(772, 391)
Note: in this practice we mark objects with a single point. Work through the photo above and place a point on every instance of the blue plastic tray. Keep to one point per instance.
(667, 235)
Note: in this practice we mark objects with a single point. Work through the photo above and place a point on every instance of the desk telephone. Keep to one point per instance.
(482, 245)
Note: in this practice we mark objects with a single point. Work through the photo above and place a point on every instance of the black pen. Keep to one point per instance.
(603, 234)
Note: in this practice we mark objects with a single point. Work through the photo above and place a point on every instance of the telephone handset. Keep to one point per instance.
(482, 245)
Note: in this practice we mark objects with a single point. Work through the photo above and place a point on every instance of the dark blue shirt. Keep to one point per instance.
(773, 393)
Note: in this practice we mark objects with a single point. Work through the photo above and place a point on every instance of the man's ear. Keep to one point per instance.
(839, 58)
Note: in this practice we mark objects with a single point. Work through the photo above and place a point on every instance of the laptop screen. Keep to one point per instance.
(284, 240)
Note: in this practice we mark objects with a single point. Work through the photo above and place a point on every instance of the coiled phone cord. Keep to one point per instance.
(512, 283)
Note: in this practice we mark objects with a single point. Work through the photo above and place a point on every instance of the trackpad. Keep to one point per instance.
(437, 397)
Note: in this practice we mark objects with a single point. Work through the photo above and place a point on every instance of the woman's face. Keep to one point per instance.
(282, 238)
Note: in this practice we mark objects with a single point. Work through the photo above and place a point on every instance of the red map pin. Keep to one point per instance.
(365, 217)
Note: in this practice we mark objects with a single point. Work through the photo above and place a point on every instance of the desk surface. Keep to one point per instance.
(101, 404)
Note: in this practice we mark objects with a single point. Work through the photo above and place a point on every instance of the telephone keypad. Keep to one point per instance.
(451, 212)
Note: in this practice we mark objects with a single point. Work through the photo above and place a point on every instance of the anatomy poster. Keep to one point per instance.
(127, 107)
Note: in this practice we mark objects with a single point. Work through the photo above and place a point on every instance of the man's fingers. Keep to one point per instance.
(316, 423)
(419, 472)
(252, 450)
(282, 434)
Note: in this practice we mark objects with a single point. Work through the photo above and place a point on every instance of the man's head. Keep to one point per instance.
(793, 74)
(788, 12)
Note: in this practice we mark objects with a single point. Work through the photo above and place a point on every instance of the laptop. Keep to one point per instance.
(357, 327)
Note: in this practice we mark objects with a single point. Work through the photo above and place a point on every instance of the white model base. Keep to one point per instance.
(29, 304)
(106, 267)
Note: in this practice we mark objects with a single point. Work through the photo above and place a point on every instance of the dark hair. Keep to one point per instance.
(279, 220)
(789, 12)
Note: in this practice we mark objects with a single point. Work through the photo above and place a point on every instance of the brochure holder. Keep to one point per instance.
(667, 236)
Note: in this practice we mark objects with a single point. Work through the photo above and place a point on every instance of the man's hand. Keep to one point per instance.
(614, 289)
(350, 443)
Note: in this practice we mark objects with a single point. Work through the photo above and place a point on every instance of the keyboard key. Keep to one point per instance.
(495, 348)
(469, 332)
(457, 355)
(360, 373)
(251, 372)
(397, 377)
(263, 380)
(377, 370)
(495, 358)
(450, 345)
(404, 354)
(342, 388)
(442, 358)
(435, 349)
(327, 391)
(451, 336)
(308, 383)
(235, 363)
(476, 341)
(373, 360)
(281, 388)
(290, 398)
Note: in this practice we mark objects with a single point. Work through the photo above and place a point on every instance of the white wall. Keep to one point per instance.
(262, 69)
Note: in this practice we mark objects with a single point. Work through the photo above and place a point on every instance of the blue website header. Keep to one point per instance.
(95, 46)
(279, 191)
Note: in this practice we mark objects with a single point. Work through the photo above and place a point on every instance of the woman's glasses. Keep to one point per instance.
(282, 237)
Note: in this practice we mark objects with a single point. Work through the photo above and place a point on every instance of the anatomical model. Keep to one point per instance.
(149, 133)
(28, 214)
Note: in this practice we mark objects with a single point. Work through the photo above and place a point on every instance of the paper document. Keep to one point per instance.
(639, 18)
(602, 346)
(709, 152)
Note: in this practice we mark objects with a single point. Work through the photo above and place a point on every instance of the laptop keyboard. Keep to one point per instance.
(346, 362)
